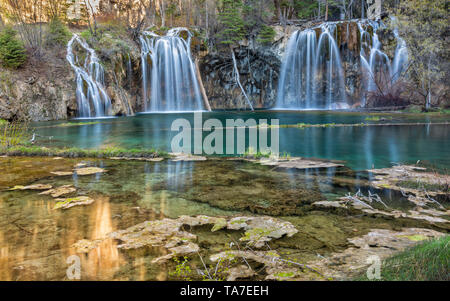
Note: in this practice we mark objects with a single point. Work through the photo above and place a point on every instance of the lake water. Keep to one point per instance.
(361, 147)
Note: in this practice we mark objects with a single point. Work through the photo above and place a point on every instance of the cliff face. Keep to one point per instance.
(46, 90)
(38, 92)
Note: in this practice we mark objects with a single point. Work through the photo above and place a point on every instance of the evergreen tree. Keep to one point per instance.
(266, 34)
(12, 51)
(58, 33)
(231, 20)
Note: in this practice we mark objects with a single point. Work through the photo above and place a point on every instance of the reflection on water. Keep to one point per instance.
(35, 239)
(361, 147)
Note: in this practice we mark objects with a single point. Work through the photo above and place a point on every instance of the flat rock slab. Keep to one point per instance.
(85, 171)
(169, 233)
(158, 159)
(71, 202)
(32, 187)
(59, 191)
(62, 173)
(296, 163)
(390, 178)
(186, 157)
(329, 204)
(378, 242)
(259, 230)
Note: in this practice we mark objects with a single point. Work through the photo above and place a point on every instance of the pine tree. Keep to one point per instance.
(266, 34)
(12, 51)
(231, 20)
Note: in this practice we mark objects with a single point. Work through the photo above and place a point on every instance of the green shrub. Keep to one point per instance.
(12, 51)
(58, 33)
(266, 35)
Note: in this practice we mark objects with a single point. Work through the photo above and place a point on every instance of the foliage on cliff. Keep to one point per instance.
(12, 52)
(424, 25)
(58, 33)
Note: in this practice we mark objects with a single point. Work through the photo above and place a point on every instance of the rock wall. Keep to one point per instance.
(42, 92)
(258, 70)
(45, 90)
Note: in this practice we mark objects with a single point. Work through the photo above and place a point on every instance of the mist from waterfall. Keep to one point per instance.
(169, 79)
(92, 99)
(312, 76)
(311, 73)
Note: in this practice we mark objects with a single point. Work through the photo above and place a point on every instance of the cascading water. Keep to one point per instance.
(311, 73)
(312, 76)
(374, 60)
(168, 68)
(92, 99)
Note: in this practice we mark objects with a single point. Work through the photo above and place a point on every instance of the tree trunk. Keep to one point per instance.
(238, 81)
(326, 10)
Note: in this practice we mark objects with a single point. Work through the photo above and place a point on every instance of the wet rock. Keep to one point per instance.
(411, 179)
(259, 71)
(60, 191)
(297, 163)
(62, 173)
(71, 202)
(329, 204)
(378, 242)
(32, 187)
(259, 230)
(169, 234)
(152, 233)
(240, 272)
(89, 171)
(85, 246)
(186, 157)
(137, 159)
(275, 268)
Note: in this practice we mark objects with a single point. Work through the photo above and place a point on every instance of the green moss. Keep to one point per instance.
(68, 124)
(284, 275)
(82, 153)
(423, 185)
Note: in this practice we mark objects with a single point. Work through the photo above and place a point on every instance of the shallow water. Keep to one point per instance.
(360, 147)
(36, 240)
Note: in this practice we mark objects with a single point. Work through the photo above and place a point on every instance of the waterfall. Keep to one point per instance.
(92, 99)
(311, 74)
(374, 60)
(169, 71)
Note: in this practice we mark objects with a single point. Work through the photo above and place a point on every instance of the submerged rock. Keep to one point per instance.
(297, 163)
(60, 191)
(89, 171)
(186, 157)
(169, 233)
(71, 202)
(83, 171)
(259, 230)
(62, 173)
(411, 179)
(84, 245)
(378, 242)
(32, 187)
